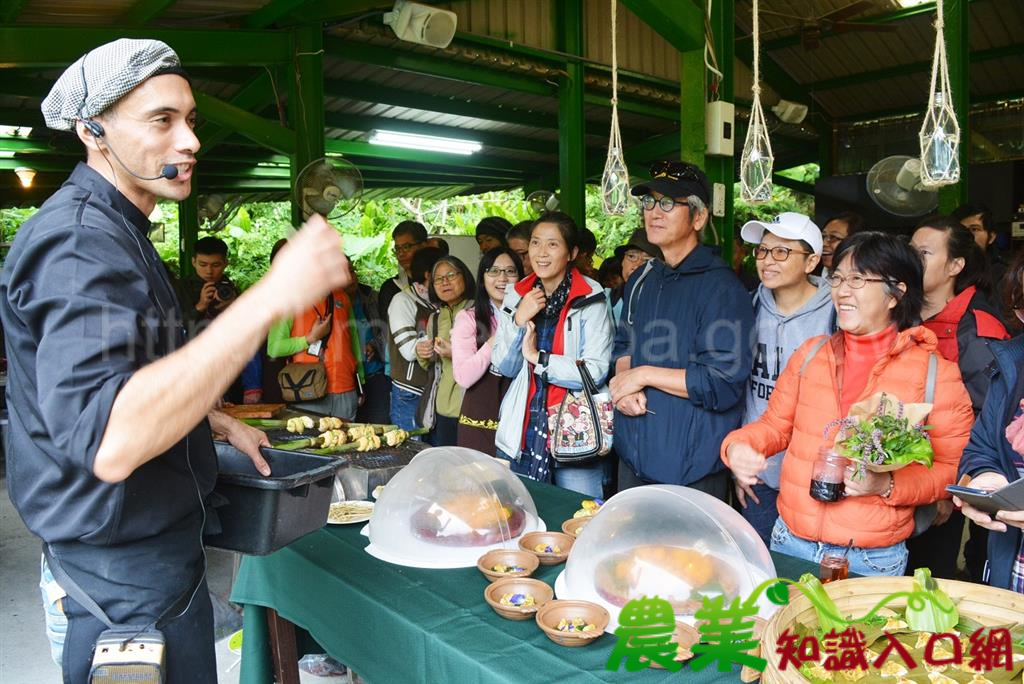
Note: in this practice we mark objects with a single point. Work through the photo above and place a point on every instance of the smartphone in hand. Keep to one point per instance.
(1008, 498)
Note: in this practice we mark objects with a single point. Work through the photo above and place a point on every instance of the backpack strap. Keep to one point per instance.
(810, 355)
(929, 386)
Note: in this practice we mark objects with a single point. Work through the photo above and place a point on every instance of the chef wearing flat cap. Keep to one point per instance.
(110, 460)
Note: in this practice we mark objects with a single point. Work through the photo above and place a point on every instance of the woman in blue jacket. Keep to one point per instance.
(547, 322)
(992, 461)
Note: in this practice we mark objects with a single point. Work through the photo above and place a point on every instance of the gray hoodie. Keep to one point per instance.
(778, 336)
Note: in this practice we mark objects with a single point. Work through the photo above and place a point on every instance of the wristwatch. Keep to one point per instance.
(542, 358)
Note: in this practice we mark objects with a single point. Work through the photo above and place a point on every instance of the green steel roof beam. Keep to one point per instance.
(1013, 50)
(919, 109)
(418, 63)
(681, 23)
(360, 122)
(634, 106)
(12, 116)
(41, 165)
(799, 186)
(144, 11)
(20, 46)
(19, 83)
(272, 11)
(568, 21)
(252, 97)
(879, 19)
(357, 148)
(10, 10)
(256, 128)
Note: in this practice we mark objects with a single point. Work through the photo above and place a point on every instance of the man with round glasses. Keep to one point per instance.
(790, 306)
(682, 349)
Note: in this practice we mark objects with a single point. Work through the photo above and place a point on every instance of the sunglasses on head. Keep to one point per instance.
(675, 170)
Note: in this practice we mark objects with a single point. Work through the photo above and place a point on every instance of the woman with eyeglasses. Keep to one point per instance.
(547, 322)
(995, 455)
(451, 290)
(965, 324)
(880, 347)
(472, 342)
(790, 307)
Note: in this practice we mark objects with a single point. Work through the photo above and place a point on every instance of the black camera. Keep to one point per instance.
(225, 290)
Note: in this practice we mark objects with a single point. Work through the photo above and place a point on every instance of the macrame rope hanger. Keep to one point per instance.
(615, 178)
(940, 132)
(757, 160)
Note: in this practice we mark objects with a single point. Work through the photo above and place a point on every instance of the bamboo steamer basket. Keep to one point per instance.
(987, 605)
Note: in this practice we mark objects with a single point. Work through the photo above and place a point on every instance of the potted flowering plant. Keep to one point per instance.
(882, 434)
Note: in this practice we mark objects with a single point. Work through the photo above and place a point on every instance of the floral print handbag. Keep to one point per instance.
(580, 427)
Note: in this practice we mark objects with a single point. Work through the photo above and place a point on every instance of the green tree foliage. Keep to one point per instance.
(783, 199)
(253, 230)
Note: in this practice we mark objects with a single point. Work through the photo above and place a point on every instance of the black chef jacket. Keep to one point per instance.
(85, 302)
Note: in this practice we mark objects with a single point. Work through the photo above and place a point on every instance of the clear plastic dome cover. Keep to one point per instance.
(447, 508)
(668, 541)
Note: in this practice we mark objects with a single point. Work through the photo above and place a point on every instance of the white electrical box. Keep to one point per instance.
(1017, 229)
(720, 128)
(718, 200)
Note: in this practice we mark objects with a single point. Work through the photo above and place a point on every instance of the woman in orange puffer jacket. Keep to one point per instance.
(877, 291)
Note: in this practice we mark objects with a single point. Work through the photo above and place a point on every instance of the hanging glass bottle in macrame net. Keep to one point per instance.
(615, 179)
(940, 132)
(757, 160)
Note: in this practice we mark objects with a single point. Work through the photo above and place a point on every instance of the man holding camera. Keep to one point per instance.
(110, 460)
(208, 292)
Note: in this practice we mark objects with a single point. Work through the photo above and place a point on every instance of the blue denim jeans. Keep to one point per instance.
(587, 480)
(885, 560)
(403, 407)
(53, 609)
(762, 516)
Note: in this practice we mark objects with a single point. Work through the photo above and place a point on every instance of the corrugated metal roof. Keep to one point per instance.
(994, 24)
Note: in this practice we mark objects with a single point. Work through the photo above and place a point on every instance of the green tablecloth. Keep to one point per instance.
(396, 624)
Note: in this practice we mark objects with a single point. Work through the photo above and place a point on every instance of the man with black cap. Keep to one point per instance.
(110, 458)
(683, 348)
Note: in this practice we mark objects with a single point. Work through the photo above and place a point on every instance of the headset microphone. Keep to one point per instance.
(169, 171)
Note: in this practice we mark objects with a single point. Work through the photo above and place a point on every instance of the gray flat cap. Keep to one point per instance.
(103, 76)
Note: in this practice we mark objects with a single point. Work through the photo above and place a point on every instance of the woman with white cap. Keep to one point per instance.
(790, 306)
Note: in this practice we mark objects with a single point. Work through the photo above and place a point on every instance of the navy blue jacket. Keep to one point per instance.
(696, 316)
(988, 449)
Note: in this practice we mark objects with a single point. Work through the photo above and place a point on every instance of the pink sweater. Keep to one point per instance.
(469, 363)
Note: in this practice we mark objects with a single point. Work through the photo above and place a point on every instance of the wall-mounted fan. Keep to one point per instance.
(542, 200)
(216, 210)
(894, 183)
(329, 186)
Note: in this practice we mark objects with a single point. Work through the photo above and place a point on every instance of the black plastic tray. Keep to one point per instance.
(263, 514)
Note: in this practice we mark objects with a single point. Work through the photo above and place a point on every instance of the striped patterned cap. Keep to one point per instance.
(103, 76)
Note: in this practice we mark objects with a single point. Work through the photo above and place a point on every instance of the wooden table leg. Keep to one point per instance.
(283, 648)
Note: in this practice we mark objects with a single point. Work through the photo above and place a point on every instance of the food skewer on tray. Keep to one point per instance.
(337, 436)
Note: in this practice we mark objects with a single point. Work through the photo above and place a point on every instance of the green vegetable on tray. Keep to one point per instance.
(935, 610)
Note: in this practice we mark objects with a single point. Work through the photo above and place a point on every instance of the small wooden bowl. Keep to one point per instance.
(563, 541)
(552, 612)
(573, 526)
(523, 559)
(685, 637)
(541, 593)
